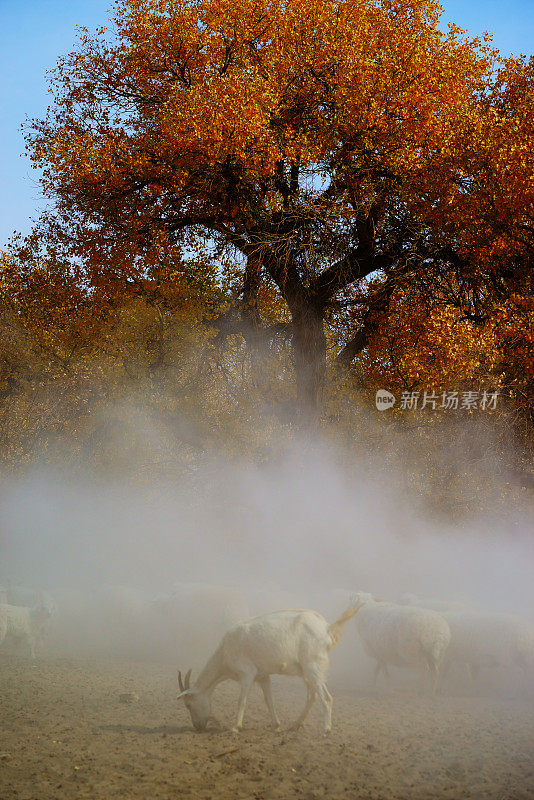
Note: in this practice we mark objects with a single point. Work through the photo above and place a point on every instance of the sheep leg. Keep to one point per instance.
(31, 646)
(311, 695)
(434, 675)
(378, 667)
(266, 688)
(246, 680)
(314, 677)
(327, 701)
(431, 670)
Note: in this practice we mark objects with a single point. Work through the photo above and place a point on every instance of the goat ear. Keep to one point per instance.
(180, 684)
(188, 678)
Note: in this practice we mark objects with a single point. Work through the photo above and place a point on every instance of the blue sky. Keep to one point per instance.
(34, 33)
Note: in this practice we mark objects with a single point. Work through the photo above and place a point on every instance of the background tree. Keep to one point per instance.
(315, 144)
(74, 352)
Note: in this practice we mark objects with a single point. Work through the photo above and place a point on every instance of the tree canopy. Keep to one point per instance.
(317, 146)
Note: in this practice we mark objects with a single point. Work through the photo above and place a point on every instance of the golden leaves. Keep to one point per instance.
(195, 83)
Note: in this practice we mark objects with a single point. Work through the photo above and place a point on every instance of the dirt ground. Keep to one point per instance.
(67, 734)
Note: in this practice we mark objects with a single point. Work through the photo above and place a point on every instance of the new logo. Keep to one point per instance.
(384, 399)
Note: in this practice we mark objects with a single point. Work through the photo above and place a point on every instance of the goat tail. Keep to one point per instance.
(336, 628)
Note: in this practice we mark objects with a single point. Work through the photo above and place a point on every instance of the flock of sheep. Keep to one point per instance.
(430, 636)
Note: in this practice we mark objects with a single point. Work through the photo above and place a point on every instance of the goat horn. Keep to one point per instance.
(187, 678)
(182, 689)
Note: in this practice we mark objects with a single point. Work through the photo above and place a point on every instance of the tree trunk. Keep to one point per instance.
(250, 313)
(309, 352)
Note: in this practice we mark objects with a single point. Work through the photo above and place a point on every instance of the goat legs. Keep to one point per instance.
(246, 679)
(316, 686)
(266, 688)
(311, 696)
(327, 701)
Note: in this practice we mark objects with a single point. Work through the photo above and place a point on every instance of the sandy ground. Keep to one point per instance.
(65, 733)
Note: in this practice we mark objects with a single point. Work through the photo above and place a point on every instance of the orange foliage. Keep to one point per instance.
(324, 143)
(186, 87)
(432, 347)
(425, 344)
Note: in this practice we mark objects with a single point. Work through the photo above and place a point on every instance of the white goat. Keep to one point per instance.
(30, 597)
(404, 636)
(293, 642)
(20, 623)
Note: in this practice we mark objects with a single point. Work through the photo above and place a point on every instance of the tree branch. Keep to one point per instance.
(371, 320)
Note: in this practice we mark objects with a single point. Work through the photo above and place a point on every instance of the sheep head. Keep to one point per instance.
(197, 702)
(359, 599)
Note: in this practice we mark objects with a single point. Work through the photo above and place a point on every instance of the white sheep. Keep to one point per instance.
(404, 636)
(488, 640)
(293, 642)
(30, 597)
(432, 603)
(22, 623)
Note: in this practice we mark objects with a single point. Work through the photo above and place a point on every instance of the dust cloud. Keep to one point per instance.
(146, 572)
(130, 564)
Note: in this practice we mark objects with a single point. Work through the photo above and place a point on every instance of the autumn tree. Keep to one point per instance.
(74, 352)
(468, 318)
(311, 143)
